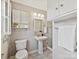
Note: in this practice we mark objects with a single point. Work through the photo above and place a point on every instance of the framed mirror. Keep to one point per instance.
(38, 25)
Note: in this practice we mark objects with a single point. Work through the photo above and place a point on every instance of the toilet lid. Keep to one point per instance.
(21, 54)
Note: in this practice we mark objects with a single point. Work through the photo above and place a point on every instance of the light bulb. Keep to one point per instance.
(35, 14)
(42, 15)
(39, 15)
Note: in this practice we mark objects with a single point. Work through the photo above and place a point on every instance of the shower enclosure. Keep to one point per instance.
(49, 34)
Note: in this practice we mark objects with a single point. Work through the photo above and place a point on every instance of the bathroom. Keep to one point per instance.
(38, 29)
(27, 23)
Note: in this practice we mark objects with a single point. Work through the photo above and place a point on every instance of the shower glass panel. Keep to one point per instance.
(49, 33)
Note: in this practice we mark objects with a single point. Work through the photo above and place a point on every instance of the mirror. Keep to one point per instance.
(38, 25)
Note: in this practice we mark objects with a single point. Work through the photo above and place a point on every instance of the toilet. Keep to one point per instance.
(21, 49)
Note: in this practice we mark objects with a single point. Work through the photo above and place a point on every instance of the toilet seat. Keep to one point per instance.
(21, 54)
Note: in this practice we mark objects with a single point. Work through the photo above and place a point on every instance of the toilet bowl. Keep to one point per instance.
(22, 54)
(21, 49)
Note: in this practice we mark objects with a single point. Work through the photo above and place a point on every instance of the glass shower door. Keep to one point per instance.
(49, 33)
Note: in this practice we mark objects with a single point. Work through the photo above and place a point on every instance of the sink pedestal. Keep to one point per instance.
(40, 43)
(40, 47)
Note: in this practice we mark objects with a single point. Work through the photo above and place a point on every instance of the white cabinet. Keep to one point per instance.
(57, 8)
(24, 17)
(16, 16)
(20, 18)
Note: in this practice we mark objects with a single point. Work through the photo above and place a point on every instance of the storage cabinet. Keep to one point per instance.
(24, 17)
(16, 16)
(58, 8)
(20, 18)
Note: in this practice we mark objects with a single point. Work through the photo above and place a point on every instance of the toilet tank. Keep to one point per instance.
(21, 44)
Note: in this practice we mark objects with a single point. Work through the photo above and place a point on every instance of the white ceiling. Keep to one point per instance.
(39, 4)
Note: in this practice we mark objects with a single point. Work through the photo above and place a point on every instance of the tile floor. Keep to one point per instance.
(47, 55)
(61, 53)
(58, 53)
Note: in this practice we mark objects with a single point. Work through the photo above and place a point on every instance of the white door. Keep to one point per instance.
(67, 6)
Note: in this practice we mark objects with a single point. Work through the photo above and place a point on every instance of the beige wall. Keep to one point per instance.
(5, 48)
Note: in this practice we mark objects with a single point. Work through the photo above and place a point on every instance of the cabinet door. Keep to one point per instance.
(24, 17)
(53, 8)
(67, 6)
(16, 16)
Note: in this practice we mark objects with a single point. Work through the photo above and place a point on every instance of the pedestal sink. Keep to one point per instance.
(40, 43)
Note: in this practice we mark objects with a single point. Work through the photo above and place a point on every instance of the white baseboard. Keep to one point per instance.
(50, 48)
(34, 51)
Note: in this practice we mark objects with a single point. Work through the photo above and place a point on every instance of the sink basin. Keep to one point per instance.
(40, 37)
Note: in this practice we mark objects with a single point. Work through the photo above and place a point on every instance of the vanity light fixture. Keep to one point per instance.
(38, 15)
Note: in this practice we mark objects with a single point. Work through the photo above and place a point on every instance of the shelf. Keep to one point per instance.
(20, 25)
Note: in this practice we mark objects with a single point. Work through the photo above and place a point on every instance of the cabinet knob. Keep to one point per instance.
(61, 5)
